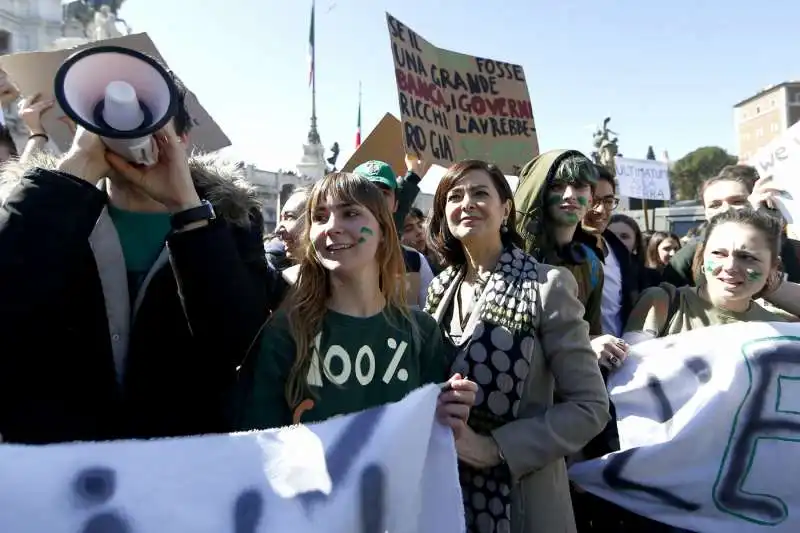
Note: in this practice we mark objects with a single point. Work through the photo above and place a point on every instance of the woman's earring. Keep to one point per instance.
(504, 227)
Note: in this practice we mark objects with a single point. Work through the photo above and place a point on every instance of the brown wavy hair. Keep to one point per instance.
(439, 237)
(306, 304)
(652, 259)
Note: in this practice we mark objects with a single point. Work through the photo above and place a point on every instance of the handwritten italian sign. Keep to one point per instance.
(454, 106)
(709, 427)
(642, 178)
(392, 468)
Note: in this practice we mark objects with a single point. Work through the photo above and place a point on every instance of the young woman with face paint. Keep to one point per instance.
(737, 263)
(345, 340)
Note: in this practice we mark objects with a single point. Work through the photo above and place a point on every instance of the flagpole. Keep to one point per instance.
(314, 64)
(358, 126)
(313, 135)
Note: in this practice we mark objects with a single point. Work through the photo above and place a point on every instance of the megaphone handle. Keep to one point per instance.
(143, 151)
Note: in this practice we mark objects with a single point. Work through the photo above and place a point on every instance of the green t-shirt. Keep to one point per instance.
(362, 363)
(142, 237)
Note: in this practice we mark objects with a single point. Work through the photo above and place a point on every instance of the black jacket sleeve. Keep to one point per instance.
(227, 287)
(678, 271)
(46, 218)
(407, 191)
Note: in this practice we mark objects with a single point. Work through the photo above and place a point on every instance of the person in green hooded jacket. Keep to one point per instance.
(552, 197)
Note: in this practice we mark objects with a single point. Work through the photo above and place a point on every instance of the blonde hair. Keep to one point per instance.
(306, 304)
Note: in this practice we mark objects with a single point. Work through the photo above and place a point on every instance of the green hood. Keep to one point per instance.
(529, 197)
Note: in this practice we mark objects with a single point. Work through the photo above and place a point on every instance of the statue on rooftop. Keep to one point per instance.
(97, 18)
(606, 145)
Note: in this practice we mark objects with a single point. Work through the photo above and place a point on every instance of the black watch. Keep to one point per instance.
(181, 219)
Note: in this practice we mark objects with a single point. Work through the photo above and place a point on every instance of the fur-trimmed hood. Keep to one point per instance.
(218, 181)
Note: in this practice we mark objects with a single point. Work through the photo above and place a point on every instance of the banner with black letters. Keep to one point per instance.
(391, 468)
(709, 425)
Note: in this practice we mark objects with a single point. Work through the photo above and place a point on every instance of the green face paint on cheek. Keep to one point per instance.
(710, 266)
(753, 275)
(583, 201)
(364, 232)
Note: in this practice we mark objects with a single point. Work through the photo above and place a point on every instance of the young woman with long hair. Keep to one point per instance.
(345, 339)
(627, 230)
(661, 249)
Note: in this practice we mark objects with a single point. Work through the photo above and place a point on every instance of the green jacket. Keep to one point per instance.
(579, 259)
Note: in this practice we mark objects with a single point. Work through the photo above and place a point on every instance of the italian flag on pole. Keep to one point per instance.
(311, 48)
(358, 124)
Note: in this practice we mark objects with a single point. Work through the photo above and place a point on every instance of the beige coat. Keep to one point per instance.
(536, 443)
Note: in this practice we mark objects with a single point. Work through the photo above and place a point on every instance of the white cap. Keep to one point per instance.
(122, 111)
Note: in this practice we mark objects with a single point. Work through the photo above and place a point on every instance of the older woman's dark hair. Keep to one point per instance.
(769, 226)
(440, 239)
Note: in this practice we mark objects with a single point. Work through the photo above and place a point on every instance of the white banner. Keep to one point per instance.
(779, 153)
(642, 178)
(391, 468)
(709, 425)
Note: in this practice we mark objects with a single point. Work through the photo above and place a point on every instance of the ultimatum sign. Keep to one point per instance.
(709, 426)
(455, 106)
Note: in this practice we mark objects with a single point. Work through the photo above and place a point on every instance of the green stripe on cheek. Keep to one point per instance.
(754, 275)
(364, 232)
(710, 266)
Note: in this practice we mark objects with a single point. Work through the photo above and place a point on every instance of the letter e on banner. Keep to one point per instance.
(769, 415)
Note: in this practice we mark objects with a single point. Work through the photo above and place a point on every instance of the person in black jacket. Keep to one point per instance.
(621, 285)
(125, 308)
(628, 232)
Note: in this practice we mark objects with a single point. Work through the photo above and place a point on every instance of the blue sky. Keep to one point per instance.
(668, 73)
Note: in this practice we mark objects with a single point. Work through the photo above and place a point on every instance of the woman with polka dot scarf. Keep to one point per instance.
(517, 328)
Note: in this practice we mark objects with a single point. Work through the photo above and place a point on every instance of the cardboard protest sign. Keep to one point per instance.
(384, 143)
(709, 427)
(643, 178)
(392, 468)
(454, 106)
(34, 72)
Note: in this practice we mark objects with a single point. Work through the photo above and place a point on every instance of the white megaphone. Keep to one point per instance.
(120, 94)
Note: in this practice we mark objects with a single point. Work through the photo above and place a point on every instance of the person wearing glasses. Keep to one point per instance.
(620, 290)
(621, 282)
